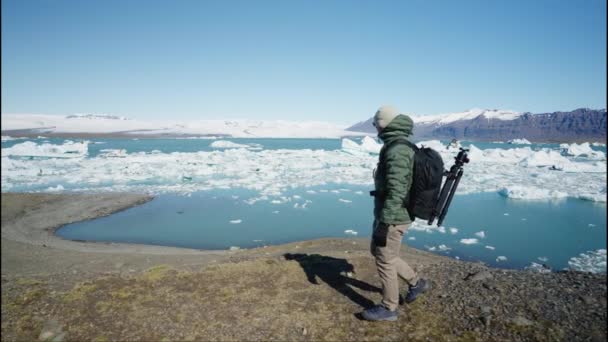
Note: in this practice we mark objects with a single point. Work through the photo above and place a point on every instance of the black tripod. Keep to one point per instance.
(449, 187)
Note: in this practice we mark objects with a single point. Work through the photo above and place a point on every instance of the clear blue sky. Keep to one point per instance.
(300, 60)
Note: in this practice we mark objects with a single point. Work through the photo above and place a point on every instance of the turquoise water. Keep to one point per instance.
(195, 145)
(521, 231)
(516, 233)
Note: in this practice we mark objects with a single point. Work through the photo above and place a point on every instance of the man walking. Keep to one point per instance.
(392, 178)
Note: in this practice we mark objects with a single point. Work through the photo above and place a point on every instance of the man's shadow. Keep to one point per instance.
(333, 271)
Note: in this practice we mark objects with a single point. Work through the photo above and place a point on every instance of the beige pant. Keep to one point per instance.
(385, 246)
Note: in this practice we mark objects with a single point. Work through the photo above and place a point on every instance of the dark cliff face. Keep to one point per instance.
(575, 126)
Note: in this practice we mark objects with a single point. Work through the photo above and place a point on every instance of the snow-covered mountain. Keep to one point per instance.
(492, 124)
(29, 124)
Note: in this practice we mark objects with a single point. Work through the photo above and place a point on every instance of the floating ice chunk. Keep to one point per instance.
(9, 138)
(368, 145)
(441, 229)
(591, 225)
(227, 144)
(501, 258)
(412, 238)
(345, 200)
(506, 214)
(583, 149)
(236, 221)
(296, 197)
(350, 232)
(592, 261)
(113, 153)
(275, 212)
(601, 197)
(457, 257)
(276, 202)
(431, 248)
(453, 230)
(312, 192)
(531, 193)
(55, 188)
(522, 141)
(491, 247)
(444, 248)
(68, 149)
(335, 191)
(538, 268)
(545, 157)
(543, 259)
(469, 241)
(481, 234)
(234, 248)
(359, 192)
(598, 144)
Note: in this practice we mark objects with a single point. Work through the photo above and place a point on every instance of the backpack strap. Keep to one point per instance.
(396, 142)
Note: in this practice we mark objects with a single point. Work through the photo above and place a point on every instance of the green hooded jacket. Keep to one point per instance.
(393, 176)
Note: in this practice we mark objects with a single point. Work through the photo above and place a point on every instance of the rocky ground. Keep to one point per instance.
(310, 290)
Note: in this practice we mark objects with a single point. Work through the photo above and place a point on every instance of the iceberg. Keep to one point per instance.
(69, 149)
(227, 144)
(519, 142)
(583, 149)
(517, 173)
(531, 193)
(368, 145)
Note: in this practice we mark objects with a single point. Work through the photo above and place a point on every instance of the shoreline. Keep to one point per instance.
(33, 218)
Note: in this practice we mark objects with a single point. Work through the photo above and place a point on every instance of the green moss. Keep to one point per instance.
(28, 282)
(123, 293)
(31, 296)
(155, 273)
(79, 292)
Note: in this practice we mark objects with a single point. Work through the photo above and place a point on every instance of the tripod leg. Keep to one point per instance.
(447, 204)
(447, 186)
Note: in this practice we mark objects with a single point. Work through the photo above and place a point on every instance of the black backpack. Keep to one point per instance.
(426, 181)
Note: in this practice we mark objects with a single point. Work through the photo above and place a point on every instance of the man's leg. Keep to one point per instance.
(403, 269)
(390, 265)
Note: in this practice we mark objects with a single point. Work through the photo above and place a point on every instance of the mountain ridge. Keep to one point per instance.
(582, 124)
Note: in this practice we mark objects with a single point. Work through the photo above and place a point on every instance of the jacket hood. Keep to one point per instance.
(402, 125)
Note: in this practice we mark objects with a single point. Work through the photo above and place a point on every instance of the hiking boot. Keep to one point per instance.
(379, 313)
(421, 287)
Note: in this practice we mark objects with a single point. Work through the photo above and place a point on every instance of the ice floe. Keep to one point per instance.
(490, 247)
(501, 258)
(591, 261)
(583, 149)
(350, 232)
(481, 234)
(531, 193)
(522, 141)
(227, 144)
(236, 221)
(518, 173)
(345, 200)
(69, 149)
(469, 241)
